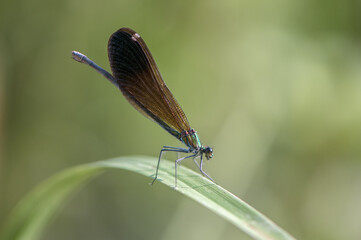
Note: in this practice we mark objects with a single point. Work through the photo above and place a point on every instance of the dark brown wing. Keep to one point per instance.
(141, 83)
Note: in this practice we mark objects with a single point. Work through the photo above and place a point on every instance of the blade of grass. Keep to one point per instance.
(34, 212)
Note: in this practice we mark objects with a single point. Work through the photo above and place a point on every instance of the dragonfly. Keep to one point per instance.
(137, 76)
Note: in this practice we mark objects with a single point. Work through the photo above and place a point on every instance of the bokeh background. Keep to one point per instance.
(274, 86)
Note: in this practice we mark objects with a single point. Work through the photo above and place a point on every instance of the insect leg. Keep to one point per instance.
(176, 167)
(201, 169)
(167, 149)
(195, 161)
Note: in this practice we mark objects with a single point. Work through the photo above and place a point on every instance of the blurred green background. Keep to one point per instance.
(274, 86)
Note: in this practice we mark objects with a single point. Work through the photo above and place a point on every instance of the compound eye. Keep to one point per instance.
(208, 152)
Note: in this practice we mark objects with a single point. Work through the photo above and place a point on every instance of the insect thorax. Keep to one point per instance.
(191, 139)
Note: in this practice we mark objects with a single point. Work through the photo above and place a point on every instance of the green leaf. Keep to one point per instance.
(34, 212)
